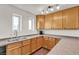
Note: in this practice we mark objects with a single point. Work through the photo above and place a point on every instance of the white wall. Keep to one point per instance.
(74, 33)
(6, 12)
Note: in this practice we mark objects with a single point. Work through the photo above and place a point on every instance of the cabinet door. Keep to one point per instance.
(70, 18)
(57, 20)
(26, 49)
(51, 42)
(39, 42)
(40, 19)
(16, 51)
(48, 21)
(45, 42)
(33, 45)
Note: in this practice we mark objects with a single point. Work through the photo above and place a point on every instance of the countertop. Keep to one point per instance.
(7, 41)
(66, 46)
(12, 40)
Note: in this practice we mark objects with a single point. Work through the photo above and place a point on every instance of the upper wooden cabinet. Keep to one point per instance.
(40, 19)
(65, 19)
(48, 21)
(70, 18)
(57, 20)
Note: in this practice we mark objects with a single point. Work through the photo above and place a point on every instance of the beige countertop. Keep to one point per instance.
(66, 46)
(9, 41)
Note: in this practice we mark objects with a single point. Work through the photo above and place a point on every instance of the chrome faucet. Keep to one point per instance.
(16, 33)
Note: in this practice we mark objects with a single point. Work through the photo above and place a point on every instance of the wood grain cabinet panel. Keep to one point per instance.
(45, 42)
(25, 42)
(39, 42)
(40, 19)
(70, 18)
(33, 45)
(14, 49)
(57, 20)
(14, 45)
(48, 21)
(26, 47)
(51, 42)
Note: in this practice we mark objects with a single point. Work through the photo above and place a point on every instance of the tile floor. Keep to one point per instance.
(42, 51)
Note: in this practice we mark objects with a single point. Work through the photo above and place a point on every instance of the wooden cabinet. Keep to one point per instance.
(57, 20)
(48, 21)
(26, 47)
(40, 19)
(33, 44)
(39, 42)
(65, 19)
(70, 18)
(49, 42)
(14, 49)
(29, 46)
(45, 42)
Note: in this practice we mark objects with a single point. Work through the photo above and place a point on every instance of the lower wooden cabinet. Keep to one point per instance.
(13, 49)
(16, 51)
(29, 46)
(33, 45)
(51, 42)
(45, 42)
(39, 42)
(26, 47)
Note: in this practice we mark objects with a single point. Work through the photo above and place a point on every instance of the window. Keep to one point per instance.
(31, 24)
(16, 22)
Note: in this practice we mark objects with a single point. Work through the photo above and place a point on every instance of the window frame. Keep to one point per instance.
(20, 22)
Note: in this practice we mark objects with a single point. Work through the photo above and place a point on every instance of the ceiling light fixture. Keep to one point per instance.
(50, 8)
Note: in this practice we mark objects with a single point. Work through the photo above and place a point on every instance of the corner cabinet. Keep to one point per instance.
(40, 22)
(70, 18)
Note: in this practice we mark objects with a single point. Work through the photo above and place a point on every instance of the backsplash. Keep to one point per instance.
(74, 33)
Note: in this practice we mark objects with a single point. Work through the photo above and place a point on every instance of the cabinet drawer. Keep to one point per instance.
(16, 51)
(14, 45)
(25, 42)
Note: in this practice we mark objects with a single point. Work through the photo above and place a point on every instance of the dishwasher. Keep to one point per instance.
(3, 50)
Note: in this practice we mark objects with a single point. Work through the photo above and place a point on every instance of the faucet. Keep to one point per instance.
(16, 33)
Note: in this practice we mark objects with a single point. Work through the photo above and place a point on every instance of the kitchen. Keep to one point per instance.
(39, 29)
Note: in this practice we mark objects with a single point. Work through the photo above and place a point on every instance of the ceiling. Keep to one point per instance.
(37, 8)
